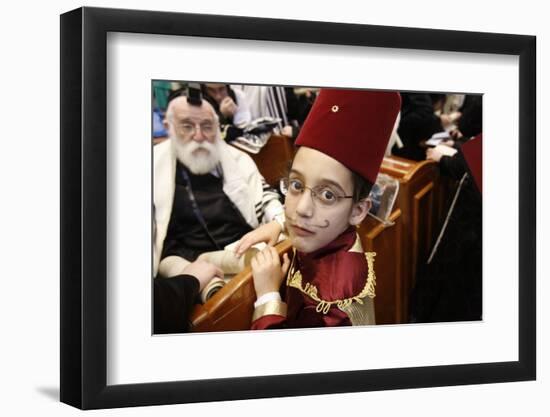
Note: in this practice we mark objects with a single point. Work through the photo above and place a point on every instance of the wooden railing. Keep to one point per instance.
(232, 306)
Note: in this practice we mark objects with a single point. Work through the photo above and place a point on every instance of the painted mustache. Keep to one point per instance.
(319, 226)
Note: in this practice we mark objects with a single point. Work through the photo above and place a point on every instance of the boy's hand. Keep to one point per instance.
(267, 272)
(268, 233)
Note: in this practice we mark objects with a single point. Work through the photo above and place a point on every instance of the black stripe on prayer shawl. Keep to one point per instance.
(270, 103)
(280, 99)
(274, 107)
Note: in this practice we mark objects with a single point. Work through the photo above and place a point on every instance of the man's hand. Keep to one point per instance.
(445, 120)
(448, 120)
(203, 271)
(228, 107)
(268, 233)
(267, 272)
(456, 134)
(287, 131)
(433, 154)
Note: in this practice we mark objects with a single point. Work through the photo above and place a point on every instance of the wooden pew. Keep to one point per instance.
(422, 199)
(231, 308)
(420, 206)
(274, 158)
(386, 241)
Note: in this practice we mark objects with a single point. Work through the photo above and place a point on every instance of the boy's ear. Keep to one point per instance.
(359, 211)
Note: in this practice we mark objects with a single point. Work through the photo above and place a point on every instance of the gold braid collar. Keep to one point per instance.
(295, 280)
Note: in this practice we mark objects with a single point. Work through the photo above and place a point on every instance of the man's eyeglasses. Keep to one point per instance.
(321, 193)
(189, 129)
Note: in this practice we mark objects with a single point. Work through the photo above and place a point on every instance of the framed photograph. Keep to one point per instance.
(114, 65)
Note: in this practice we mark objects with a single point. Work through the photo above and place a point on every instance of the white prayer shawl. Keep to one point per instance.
(265, 101)
(242, 183)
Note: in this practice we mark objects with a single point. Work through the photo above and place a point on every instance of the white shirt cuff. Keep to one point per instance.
(269, 296)
(172, 266)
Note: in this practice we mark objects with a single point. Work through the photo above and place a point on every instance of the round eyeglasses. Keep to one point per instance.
(189, 129)
(323, 194)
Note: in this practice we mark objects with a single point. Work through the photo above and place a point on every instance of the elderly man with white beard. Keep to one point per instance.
(207, 194)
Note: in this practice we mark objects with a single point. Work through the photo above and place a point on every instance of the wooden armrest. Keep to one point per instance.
(231, 308)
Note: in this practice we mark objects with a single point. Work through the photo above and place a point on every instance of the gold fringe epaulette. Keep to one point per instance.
(323, 306)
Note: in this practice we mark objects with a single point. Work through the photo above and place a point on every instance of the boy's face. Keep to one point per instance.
(313, 222)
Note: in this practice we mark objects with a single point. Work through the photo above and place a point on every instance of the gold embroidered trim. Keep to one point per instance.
(295, 280)
(361, 314)
(275, 307)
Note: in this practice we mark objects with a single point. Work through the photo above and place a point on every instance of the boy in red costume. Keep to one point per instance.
(330, 281)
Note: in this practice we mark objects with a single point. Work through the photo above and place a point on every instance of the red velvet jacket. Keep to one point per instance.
(332, 286)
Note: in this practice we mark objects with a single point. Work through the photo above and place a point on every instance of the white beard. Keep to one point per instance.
(199, 158)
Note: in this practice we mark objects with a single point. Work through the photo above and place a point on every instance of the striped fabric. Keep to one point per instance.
(269, 195)
(266, 101)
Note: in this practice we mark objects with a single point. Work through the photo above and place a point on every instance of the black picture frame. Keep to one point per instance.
(84, 207)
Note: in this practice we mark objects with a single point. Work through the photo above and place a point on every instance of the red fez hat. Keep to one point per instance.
(352, 126)
(473, 156)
